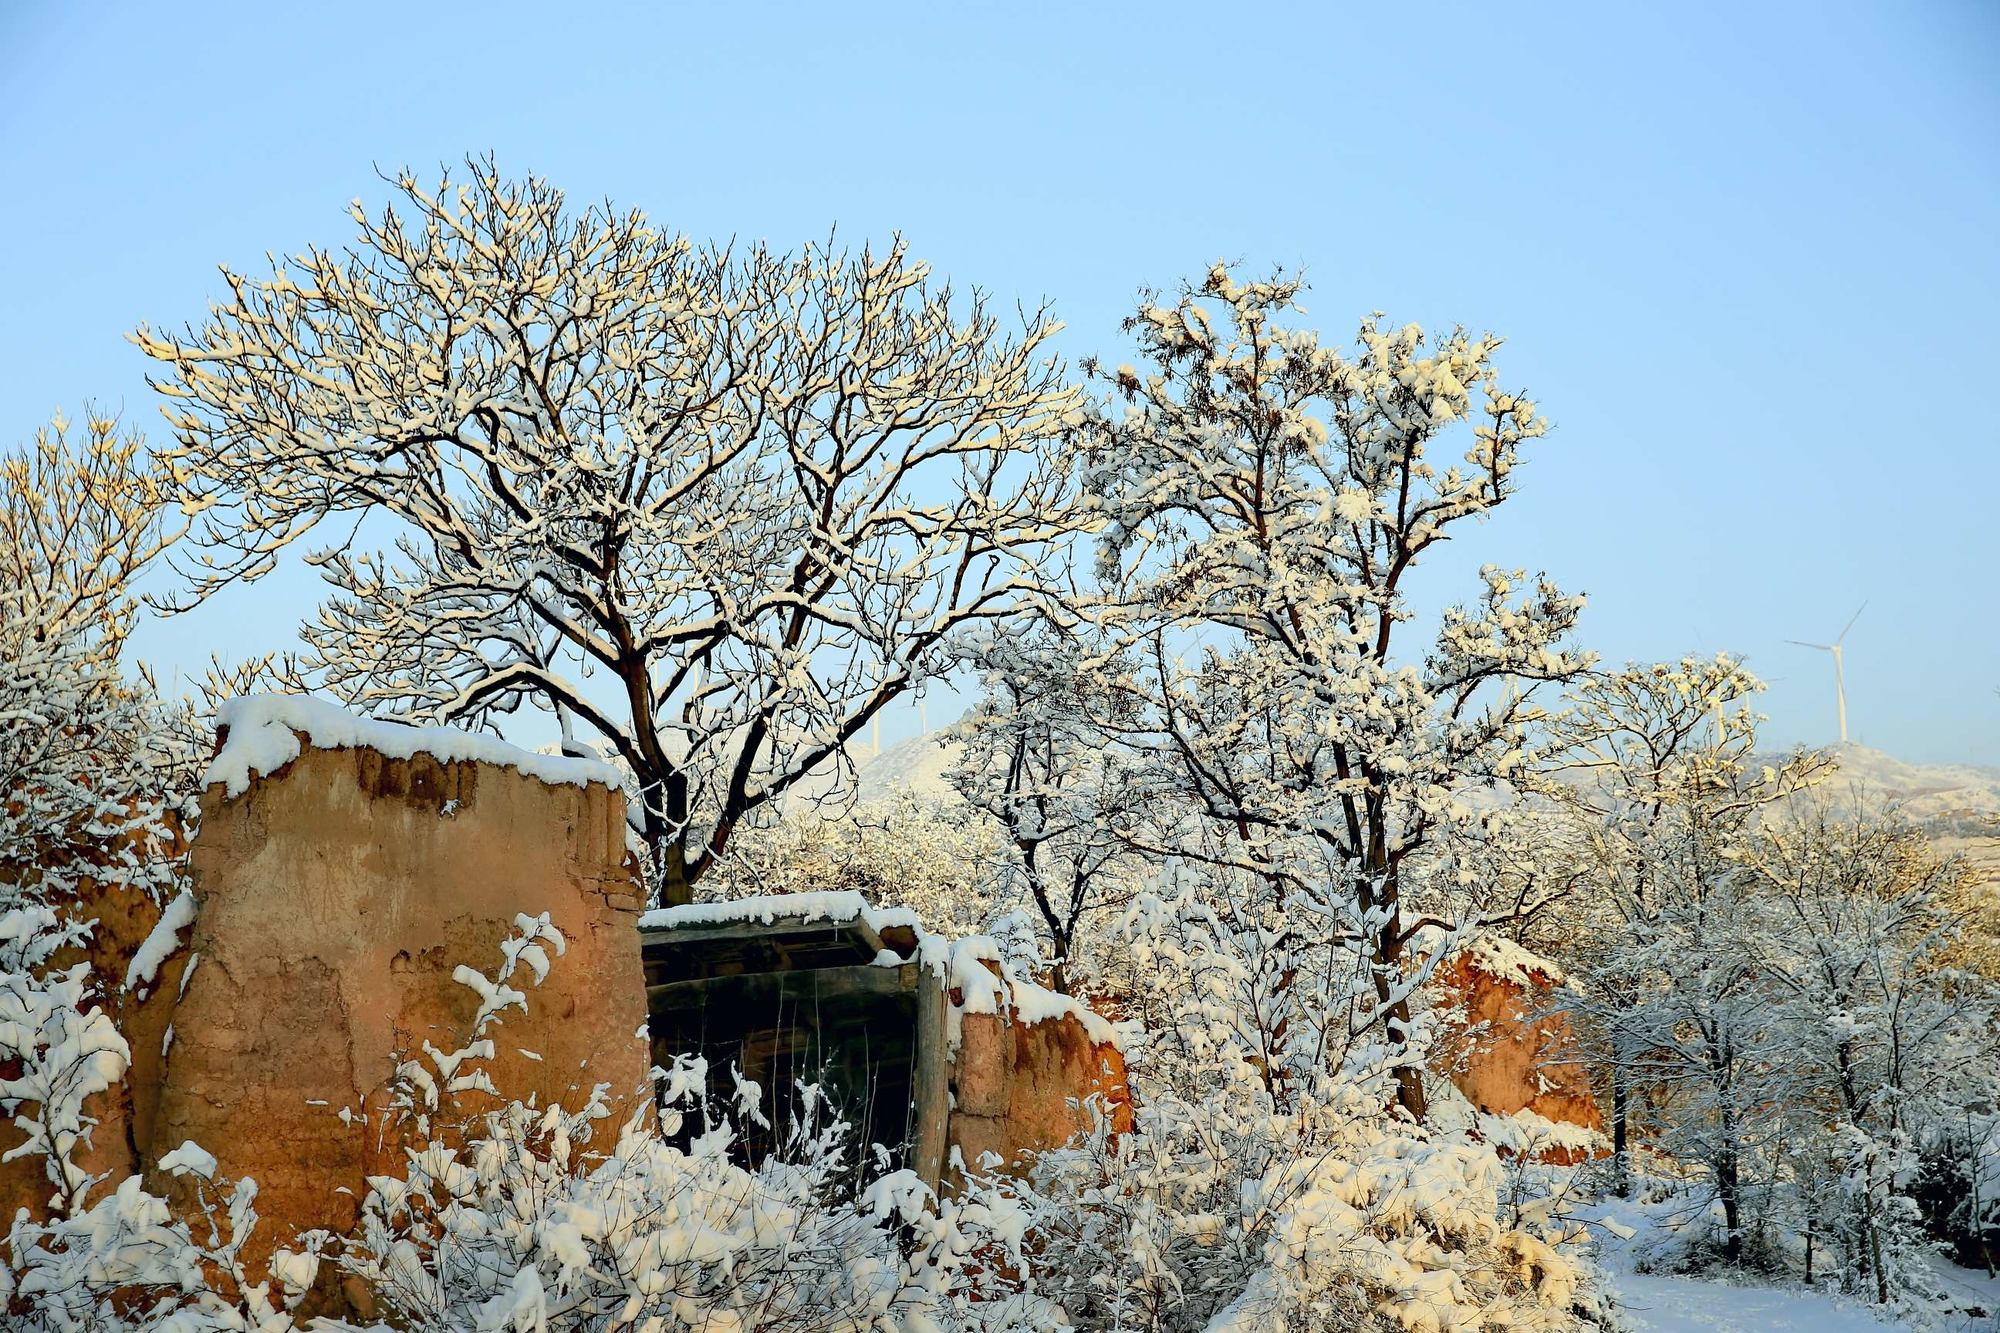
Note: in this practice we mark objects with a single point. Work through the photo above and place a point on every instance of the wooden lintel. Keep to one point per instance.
(868, 942)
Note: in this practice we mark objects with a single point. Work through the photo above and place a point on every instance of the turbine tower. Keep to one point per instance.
(1839, 674)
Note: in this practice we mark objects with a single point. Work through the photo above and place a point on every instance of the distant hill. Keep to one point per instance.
(1925, 793)
(917, 763)
(1944, 794)
(1957, 804)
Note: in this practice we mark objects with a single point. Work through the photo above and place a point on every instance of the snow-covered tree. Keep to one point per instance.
(1660, 766)
(903, 849)
(80, 765)
(1771, 982)
(1668, 788)
(1266, 498)
(1039, 761)
(713, 506)
(1889, 1048)
(1264, 1185)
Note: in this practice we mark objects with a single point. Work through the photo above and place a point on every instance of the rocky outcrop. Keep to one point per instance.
(343, 871)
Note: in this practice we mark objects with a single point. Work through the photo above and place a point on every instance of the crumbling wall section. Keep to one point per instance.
(1022, 1083)
(125, 924)
(338, 889)
(1506, 1045)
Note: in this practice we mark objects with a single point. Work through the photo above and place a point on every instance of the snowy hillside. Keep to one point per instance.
(917, 763)
(1925, 792)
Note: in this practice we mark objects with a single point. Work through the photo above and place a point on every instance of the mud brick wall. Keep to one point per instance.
(335, 897)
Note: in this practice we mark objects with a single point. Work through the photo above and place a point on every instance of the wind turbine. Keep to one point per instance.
(1839, 675)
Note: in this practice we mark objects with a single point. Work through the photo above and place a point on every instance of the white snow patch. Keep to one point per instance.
(164, 938)
(836, 906)
(965, 970)
(1498, 956)
(190, 1156)
(264, 730)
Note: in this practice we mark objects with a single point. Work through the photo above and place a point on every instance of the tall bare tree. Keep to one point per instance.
(716, 507)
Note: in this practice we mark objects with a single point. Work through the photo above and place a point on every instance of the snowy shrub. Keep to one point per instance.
(1266, 1184)
(119, 1260)
(525, 1227)
(523, 1218)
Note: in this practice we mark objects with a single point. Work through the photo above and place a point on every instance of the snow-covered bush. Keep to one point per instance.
(1267, 1184)
(524, 1217)
(92, 1260)
(526, 1226)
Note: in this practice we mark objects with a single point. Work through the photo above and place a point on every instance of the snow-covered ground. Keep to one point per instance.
(1656, 1303)
(1690, 1305)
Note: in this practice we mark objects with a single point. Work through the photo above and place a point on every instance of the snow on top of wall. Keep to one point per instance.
(264, 734)
(836, 906)
(961, 963)
(1527, 1133)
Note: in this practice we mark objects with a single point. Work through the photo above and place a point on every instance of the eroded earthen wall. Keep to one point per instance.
(1507, 1049)
(336, 897)
(1021, 1087)
(123, 917)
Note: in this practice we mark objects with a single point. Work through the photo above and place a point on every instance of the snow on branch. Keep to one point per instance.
(717, 505)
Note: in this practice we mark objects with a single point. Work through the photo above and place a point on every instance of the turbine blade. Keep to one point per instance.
(1850, 622)
(1823, 647)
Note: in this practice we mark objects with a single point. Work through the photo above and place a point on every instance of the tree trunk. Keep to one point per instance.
(672, 885)
(1379, 888)
(1874, 1237)
(1388, 963)
(1621, 1152)
(1729, 1187)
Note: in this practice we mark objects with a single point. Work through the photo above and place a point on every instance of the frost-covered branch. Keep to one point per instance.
(719, 506)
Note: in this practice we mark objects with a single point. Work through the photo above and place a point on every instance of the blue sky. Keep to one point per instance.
(1745, 256)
